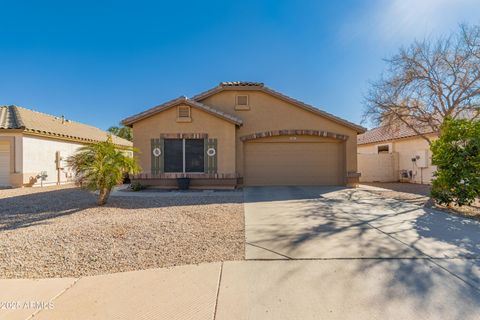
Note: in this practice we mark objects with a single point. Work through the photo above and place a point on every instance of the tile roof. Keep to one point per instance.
(241, 84)
(14, 117)
(178, 101)
(388, 133)
(261, 87)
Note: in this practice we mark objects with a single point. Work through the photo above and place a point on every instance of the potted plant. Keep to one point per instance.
(183, 183)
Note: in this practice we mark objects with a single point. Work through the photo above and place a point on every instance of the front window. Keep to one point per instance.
(184, 155)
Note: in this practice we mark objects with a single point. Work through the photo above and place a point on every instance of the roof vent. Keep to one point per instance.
(242, 100)
(183, 114)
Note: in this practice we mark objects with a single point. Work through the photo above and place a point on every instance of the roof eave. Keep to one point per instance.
(175, 102)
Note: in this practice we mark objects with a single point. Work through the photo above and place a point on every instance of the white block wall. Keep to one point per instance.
(39, 155)
(378, 167)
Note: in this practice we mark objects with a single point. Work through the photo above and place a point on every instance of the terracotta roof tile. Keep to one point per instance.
(14, 117)
(241, 84)
(386, 133)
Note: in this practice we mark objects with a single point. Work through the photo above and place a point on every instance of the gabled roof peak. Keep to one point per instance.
(182, 100)
(259, 86)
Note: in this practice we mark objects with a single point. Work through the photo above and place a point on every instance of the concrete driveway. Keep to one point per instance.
(354, 255)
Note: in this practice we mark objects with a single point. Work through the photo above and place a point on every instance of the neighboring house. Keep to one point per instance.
(34, 146)
(395, 155)
(243, 133)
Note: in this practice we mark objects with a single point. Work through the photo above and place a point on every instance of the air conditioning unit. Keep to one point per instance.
(421, 158)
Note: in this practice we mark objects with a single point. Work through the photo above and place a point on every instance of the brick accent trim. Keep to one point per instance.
(184, 135)
(289, 132)
(173, 175)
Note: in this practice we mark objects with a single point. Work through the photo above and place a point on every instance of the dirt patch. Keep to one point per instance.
(59, 232)
(420, 194)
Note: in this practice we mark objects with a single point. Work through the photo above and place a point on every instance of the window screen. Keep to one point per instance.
(173, 155)
(194, 155)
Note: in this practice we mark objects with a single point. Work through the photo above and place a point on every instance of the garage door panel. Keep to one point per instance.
(293, 164)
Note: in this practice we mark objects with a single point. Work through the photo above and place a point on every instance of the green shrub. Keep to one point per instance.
(137, 186)
(457, 156)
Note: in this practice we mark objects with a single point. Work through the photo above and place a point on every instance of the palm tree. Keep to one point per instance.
(100, 166)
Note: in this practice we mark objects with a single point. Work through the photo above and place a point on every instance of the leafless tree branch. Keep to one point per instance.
(428, 82)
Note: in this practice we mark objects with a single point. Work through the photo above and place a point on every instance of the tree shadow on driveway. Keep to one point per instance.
(424, 255)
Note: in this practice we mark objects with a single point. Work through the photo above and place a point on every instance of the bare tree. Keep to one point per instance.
(428, 82)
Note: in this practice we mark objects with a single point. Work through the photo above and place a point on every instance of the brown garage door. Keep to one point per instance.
(293, 163)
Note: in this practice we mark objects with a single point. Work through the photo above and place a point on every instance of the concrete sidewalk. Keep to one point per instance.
(288, 289)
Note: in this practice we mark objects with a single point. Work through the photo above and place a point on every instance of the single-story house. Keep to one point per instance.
(243, 133)
(34, 146)
(400, 154)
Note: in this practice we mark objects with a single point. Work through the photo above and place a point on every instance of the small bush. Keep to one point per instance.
(137, 186)
(457, 156)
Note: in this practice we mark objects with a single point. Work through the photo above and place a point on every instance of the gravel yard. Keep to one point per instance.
(420, 194)
(59, 232)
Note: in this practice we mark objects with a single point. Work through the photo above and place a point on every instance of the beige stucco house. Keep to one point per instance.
(35, 145)
(395, 155)
(243, 133)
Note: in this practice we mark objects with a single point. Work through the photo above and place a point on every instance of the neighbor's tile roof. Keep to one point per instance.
(14, 117)
(385, 133)
(179, 101)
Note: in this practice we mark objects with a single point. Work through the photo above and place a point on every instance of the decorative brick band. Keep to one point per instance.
(296, 132)
(184, 135)
(172, 175)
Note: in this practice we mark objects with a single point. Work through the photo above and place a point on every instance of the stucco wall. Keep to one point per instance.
(270, 113)
(405, 150)
(39, 155)
(378, 167)
(202, 122)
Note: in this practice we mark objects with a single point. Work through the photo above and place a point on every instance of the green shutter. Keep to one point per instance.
(162, 156)
(156, 162)
(211, 161)
(205, 155)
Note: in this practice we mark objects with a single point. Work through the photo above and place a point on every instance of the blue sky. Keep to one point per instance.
(98, 62)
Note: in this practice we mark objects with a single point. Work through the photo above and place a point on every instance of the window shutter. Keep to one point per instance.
(156, 161)
(211, 160)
